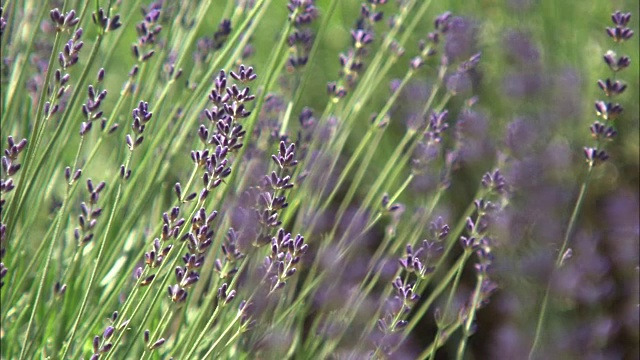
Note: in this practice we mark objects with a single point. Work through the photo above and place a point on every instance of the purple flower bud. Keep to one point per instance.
(108, 332)
(96, 343)
(157, 344)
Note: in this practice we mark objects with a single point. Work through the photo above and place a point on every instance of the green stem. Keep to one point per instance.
(559, 262)
(11, 92)
(224, 333)
(45, 273)
(32, 146)
(574, 217)
(166, 317)
(148, 291)
(540, 323)
(204, 331)
(314, 49)
(98, 260)
(469, 321)
(46, 152)
(437, 343)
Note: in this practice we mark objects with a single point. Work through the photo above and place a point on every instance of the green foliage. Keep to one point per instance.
(410, 131)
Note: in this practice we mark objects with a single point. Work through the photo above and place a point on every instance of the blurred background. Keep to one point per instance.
(535, 87)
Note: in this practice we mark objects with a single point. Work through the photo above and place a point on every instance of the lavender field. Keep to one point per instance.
(328, 179)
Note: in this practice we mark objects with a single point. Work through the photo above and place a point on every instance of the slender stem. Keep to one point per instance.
(470, 317)
(32, 146)
(10, 93)
(166, 317)
(224, 333)
(437, 343)
(98, 260)
(203, 331)
(46, 153)
(574, 217)
(559, 262)
(540, 324)
(314, 49)
(45, 272)
(148, 291)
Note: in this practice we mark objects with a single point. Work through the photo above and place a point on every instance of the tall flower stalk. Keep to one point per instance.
(603, 131)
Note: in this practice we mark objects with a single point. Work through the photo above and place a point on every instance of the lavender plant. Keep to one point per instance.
(602, 131)
(284, 187)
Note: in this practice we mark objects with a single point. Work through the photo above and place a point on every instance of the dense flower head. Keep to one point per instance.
(620, 32)
(302, 11)
(69, 55)
(148, 31)
(285, 254)
(107, 23)
(64, 21)
(422, 260)
(608, 110)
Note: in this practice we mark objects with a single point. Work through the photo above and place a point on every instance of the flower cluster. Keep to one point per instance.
(300, 41)
(64, 21)
(458, 32)
(421, 260)
(225, 295)
(478, 239)
(427, 46)
(305, 133)
(352, 62)
(3, 270)
(206, 45)
(3, 22)
(68, 57)
(496, 187)
(146, 337)
(430, 145)
(221, 34)
(480, 243)
(70, 52)
(224, 130)
(232, 255)
(477, 300)
(270, 199)
(421, 263)
(396, 309)
(91, 109)
(171, 225)
(102, 344)
(603, 130)
(90, 214)
(199, 239)
(141, 116)
(148, 31)
(226, 134)
(105, 22)
(10, 167)
(260, 224)
(279, 265)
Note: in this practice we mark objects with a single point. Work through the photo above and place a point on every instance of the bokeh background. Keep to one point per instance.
(536, 85)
